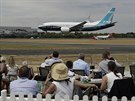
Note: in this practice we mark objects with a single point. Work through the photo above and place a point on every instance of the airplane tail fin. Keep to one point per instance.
(95, 38)
(107, 18)
(110, 35)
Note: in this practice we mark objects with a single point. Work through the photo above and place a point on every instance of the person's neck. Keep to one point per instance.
(23, 78)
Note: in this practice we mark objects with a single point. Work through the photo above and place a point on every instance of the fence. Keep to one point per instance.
(21, 97)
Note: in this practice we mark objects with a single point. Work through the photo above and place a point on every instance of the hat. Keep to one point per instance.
(59, 71)
(3, 58)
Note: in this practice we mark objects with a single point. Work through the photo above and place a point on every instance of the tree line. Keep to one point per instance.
(64, 35)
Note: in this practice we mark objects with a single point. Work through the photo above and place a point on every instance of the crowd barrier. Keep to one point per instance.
(21, 97)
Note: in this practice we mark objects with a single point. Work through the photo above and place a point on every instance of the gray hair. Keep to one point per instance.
(81, 56)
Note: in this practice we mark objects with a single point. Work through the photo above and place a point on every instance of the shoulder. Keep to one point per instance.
(33, 81)
(105, 78)
(55, 82)
(14, 82)
(120, 75)
(105, 61)
(109, 74)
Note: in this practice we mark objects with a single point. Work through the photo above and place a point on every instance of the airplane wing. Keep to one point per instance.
(78, 26)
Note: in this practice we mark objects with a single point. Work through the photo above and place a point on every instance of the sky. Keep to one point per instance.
(32, 13)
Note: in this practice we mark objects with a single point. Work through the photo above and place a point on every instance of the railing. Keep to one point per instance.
(21, 97)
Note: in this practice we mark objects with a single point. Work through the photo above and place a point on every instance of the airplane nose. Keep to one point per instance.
(40, 27)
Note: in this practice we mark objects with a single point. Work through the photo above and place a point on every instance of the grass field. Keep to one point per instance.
(49, 44)
(38, 43)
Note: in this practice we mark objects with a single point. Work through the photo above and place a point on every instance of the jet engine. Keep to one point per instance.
(65, 29)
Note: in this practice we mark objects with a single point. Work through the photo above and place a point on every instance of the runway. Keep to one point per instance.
(70, 49)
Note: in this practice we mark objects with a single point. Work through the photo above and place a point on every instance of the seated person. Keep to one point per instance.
(54, 58)
(3, 71)
(31, 73)
(108, 79)
(102, 66)
(69, 64)
(45, 63)
(62, 84)
(80, 64)
(12, 70)
(23, 84)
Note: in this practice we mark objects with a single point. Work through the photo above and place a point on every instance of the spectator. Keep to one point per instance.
(23, 84)
(69, 64)
(45, 63)
(62, 84)
(102, 66)
(55, 58)
(108, 79)
(0, 58)
(3, 70)
(111, 58)
(81, 64)
(12, 70)
(31, 73)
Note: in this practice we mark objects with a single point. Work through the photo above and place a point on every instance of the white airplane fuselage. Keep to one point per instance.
(103, 37)
(56, 26)
(106, 22)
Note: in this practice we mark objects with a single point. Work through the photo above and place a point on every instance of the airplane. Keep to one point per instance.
(86, 25)
(103, 37)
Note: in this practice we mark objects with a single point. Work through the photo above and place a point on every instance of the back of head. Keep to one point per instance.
(81, 56)
(105, 55)
(55, 54)
(24, 71)
(69, 64)
(107, 52)
(11, 62)
(111, 65)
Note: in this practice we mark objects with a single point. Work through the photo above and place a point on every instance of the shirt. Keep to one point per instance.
(103, 66)
(53, 60)
(110, 79)
(45, 63)
(62, 88)
(82, 65)
(23, 85)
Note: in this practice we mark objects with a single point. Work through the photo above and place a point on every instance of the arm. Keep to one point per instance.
(49, 89)
(78, 83)
(3, 68)
(104, 83)
(87, 69)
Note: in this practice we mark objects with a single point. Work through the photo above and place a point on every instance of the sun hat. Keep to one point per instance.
(59, 71)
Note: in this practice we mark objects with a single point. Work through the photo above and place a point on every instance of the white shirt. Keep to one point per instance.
(110, 79)
(46, 63)
(82, 65)
(53, 60)
(12, 71)
(62, 88)
(71, 74)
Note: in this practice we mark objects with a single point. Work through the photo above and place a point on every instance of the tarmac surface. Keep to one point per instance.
(83, 48)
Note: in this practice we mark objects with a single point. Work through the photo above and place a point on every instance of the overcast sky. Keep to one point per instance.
(32, 13)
